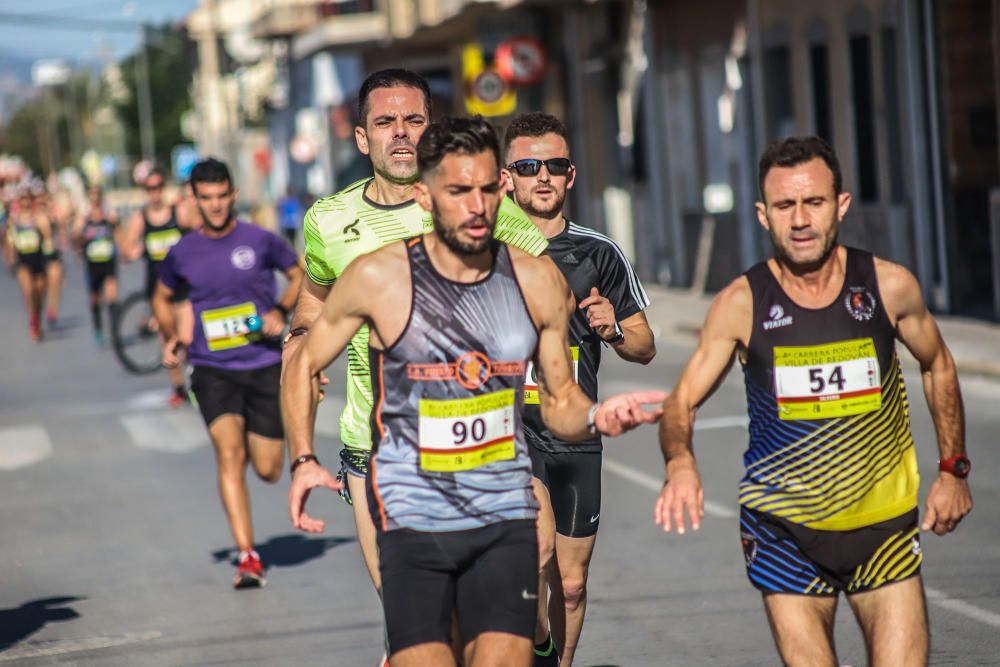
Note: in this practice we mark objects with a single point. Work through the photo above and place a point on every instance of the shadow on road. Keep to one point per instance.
(287, 550)
(22, 622)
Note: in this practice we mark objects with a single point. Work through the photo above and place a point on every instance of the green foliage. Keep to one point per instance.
(171, 68)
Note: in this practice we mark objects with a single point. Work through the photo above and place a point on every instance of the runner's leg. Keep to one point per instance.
(802, 626)
(572, 559)
(498, 649)
(266, 456)
(54, 271)
(365, 527)
(546, 549)
(227, 432)
(893, 620)
(431, 654)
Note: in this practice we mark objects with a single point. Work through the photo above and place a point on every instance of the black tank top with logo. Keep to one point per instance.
(830, 444)
(449, 451)
(157, 240)
(98, 241)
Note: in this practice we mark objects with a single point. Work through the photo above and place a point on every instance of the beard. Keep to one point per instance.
(450, 237)
(807, 265)
(547, 211)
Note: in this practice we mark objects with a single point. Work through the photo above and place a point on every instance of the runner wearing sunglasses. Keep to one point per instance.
(610, 313)
(152, 231)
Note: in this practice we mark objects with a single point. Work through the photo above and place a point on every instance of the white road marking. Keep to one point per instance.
(22, 446)
(178, 431)
(713, 423)
(39, 649)
(647, 481)
(964, 608)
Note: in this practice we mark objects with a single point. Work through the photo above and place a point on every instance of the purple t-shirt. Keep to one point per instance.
(230, 278)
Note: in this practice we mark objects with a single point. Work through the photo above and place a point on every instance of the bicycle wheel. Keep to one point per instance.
(134, 338)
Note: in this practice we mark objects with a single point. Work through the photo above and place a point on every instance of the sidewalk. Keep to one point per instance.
(676, 316)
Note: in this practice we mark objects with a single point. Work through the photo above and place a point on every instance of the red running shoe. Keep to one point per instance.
(249, 571)
(177, 399)
(35, 329)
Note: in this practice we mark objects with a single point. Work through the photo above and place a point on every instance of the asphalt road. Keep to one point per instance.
(114, 549)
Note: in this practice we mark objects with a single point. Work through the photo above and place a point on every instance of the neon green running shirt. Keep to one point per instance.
(348, 224)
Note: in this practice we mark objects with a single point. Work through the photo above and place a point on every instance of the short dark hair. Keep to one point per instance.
(391, 78)
(210, 170)
(465, 136)
(533, 124)
(793, 151)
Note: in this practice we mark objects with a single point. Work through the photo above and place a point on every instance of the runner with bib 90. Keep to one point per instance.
(449, 480)
(829, 498)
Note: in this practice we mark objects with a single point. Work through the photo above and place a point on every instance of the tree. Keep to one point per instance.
(171, 68)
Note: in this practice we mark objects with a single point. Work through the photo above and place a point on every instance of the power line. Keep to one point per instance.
(69, 23)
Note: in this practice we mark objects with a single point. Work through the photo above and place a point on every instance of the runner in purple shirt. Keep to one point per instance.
(229, 266)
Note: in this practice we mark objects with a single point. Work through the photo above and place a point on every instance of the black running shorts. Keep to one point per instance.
(252, 394)
(574, 483)
(98, 273)
(488, 576)
(33, 262)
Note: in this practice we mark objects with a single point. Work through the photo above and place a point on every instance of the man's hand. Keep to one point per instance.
(948, 502)
(600, 314)
(272, 323)
(173, 350)
(681, 492)
(307, 477)
(624, 412)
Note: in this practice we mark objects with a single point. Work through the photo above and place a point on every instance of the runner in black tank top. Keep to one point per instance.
(28, 238)
(452, 332)
(96, 238)
(830, 492)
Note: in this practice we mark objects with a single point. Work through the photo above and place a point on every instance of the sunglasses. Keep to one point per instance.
(557, 166)
(154, 186)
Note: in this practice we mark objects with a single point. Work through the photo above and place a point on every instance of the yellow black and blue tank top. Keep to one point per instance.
(830, 442)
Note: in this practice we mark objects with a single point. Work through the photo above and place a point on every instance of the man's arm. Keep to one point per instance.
(341, 315)
(274, 320)
(163, 311)
(949, 499)
(565, 408)
(728, 323)
(131, 244)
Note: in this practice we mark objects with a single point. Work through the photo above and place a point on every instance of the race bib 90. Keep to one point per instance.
(466, 433)
(531, 396)
(826, 381)
(226, 328)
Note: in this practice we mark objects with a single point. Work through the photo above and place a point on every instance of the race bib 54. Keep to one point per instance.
(466, 433)
(826, 381)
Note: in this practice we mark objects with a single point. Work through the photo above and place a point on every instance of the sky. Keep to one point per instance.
(29, 42)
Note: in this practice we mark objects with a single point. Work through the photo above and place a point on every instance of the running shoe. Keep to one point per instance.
(35, 330)
(51, 318)
(249, 571)
(178, 399)
(99, 339)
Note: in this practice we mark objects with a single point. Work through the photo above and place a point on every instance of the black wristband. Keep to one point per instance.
(281, 309)
(299, 461)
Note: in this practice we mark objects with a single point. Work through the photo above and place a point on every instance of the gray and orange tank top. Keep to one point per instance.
(449, 453)
(830, 442)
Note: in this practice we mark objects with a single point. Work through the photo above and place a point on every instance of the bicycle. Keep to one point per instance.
(134, 336)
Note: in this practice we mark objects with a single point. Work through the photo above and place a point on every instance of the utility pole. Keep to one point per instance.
(144, 100)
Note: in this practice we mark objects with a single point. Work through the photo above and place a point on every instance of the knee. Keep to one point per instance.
(546, 551)
(270, 473)
(574, 591)
(231, 460)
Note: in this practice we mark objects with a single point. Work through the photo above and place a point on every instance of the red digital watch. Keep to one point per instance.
(958, 465)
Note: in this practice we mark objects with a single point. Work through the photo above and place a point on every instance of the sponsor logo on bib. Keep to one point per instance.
(243, 257)
(778, 319)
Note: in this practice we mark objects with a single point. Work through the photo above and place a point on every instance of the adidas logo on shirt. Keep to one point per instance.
(569, 258)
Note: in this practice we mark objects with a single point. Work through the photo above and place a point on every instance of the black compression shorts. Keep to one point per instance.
(98, 273)
(574, 483)
(251, 394)
(33, 262)
(488, 576)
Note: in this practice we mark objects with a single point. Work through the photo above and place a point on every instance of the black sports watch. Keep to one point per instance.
(617, 337)
(958, 465)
